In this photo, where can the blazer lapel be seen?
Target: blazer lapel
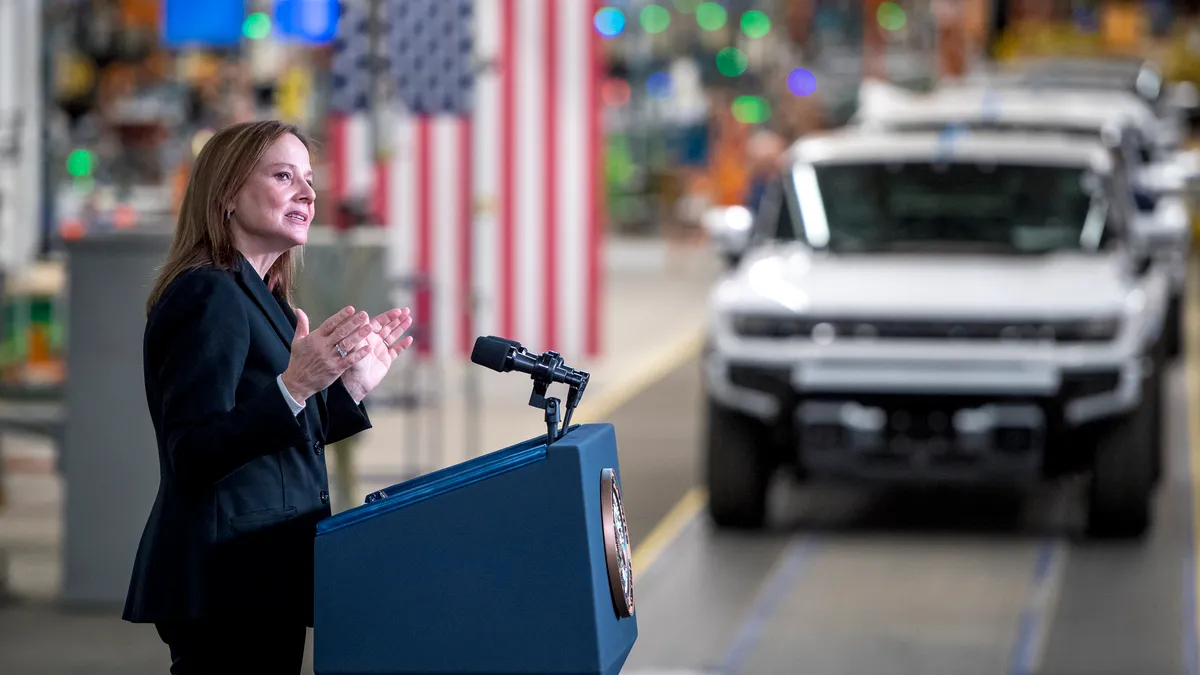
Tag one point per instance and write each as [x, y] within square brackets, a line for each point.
[283, 319]
[257, 289]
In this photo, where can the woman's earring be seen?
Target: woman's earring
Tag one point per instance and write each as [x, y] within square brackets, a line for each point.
[228, 214]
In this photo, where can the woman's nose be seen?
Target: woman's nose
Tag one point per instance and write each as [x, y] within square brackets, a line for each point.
[307, 194]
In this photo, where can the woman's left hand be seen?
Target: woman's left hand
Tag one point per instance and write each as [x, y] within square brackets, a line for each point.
[385, 342]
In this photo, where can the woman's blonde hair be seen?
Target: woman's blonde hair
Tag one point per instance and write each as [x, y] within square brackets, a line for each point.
[202, 234]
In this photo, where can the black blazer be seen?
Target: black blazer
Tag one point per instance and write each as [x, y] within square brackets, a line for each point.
[243, 481]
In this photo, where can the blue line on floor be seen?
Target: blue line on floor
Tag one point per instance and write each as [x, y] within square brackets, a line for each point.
[1190, 646]
[1025, 651]
[786, 575]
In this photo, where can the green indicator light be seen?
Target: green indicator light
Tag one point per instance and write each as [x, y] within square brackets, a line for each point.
[731, 62]
[751, 109]
[256, 26]
[710, 16]
[755, 24]
[890, 16]
[655, 19]
[79, 163]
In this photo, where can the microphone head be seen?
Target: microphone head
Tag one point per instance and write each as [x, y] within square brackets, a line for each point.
[492, 352]
[513, 343]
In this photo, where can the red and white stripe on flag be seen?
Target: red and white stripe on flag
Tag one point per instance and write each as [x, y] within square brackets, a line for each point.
[506, 201]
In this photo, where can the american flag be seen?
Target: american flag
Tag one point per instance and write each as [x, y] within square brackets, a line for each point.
[493, 182]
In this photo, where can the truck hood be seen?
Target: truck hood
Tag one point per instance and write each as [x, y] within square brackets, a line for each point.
[890, 285]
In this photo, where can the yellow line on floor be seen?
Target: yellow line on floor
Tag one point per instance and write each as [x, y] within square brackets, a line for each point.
[654, 368]
[668, 529]
[599, 409]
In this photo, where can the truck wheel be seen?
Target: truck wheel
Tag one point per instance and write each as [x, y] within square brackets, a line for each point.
[1173, 330]
[1121, 487]
[738, 469]
[1157, 421]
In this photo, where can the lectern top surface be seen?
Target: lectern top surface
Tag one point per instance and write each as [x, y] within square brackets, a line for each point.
[444, 480]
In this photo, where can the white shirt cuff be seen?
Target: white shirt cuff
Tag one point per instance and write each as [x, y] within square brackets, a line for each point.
[295, 405]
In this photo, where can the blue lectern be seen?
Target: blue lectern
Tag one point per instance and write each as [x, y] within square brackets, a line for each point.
[511, 563]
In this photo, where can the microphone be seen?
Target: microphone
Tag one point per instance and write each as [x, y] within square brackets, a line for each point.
[500, 354]
[503, 355]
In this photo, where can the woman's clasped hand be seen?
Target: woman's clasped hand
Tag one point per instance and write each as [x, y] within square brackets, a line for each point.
[349, 345]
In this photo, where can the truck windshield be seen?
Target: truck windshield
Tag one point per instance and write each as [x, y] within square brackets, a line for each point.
[951, 207]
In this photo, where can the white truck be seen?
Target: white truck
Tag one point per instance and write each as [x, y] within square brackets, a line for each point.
[1173, 104]
[1159, 176]
[907, 308]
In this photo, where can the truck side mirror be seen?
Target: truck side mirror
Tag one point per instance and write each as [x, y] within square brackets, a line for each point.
[728, 227]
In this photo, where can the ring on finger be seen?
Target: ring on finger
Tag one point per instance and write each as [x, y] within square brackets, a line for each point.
[341, 352]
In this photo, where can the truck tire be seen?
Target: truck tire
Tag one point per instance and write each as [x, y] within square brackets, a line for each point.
[1173, 330]
[1157, 416]
[738, 469]
[1121, 489]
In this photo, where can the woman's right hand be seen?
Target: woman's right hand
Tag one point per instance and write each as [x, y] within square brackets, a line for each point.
[316, 362]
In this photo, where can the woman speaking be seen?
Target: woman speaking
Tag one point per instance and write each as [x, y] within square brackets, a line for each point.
[244, 395]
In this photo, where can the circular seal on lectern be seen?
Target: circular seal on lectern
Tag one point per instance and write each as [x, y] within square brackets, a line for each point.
[617, 554]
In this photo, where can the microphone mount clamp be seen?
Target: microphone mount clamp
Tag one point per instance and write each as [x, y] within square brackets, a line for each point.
[547, 364]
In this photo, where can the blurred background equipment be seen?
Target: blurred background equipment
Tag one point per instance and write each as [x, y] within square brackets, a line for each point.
[21, 161]
[21, 110]
[109, 456]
